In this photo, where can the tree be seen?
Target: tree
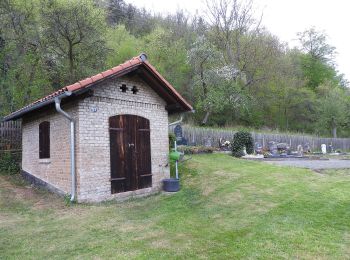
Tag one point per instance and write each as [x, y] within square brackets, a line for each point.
[233, 70]
[22, 68]
[122, 45]
[202, 57]
[138, 22]
[214, 85]
[116, 11]
[280, 95]
[234, 30]
[333, 108]
[317, 72]
[318, 60]
[75, 38]
[260, 59]
[168, 54]
[315, 43]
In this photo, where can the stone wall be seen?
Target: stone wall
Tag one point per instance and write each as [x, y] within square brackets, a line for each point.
[93, 154]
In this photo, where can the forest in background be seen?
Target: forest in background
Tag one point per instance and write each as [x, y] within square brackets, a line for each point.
[231, 68]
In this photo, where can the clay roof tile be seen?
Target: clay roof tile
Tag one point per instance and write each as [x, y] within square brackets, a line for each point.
[73, 87]
[85, 82]
[97, 77]
[107, 73]
[118, 70]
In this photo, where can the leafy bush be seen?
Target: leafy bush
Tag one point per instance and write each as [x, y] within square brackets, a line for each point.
[242, 139]
[172, 139]
[9, 162]
[238, 153]
[195, 149]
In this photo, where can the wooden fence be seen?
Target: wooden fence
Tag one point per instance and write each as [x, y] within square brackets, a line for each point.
[10, 136]
[208, 136]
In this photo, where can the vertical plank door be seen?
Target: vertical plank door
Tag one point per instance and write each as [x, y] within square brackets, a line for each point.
[130, 153]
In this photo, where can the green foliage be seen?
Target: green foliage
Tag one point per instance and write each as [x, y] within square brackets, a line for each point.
[9, 163]
[172, 139]
[242, 139]
[333, 111]
[22, 66]
[315, 44]
[67, 200]
[45, 45]
[74, 36]
[317, 72]
[232, 74]
[195, 149]
[168, 54]
[138, 22]
[122, 44]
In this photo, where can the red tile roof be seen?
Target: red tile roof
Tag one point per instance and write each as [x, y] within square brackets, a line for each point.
[118, 70]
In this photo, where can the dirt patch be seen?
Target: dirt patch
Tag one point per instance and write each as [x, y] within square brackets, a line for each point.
[26, 193]
[208, 185]
[227, 175]
[8, 220]
[231, 198]
[160, 240]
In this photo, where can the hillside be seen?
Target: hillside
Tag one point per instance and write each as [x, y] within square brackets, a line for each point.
[236, 73]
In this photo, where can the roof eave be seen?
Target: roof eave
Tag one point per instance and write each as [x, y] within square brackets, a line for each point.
[184, 105]
[181, 104]
[19, 114]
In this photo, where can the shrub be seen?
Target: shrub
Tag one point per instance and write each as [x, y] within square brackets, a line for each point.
[9, 162]
[172, 139]
[195, 149]
[242, 139]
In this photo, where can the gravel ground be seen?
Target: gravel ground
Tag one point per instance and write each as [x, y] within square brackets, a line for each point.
[314, 164]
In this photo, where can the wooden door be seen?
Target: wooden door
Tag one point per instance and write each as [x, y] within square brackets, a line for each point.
[130, 152]
[143, 153]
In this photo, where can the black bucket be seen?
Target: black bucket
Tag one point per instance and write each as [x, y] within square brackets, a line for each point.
[171, 185]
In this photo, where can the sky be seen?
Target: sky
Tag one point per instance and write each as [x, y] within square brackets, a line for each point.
[285, 18]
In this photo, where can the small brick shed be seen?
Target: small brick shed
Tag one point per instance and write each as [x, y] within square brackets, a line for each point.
[119, 147]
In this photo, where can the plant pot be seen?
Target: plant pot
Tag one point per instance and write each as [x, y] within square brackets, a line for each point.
[171, 185]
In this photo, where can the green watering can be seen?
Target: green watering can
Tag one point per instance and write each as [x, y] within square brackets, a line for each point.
[174, 155]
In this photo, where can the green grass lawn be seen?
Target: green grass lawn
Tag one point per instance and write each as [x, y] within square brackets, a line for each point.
[227, 208]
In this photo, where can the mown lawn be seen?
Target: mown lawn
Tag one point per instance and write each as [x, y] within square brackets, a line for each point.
[227, 208]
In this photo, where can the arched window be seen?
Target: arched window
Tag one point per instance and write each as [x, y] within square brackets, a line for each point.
[44, 140]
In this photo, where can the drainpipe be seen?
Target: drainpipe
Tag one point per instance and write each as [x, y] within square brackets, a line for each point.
[72, 141]
[181, 118]
[177, 122]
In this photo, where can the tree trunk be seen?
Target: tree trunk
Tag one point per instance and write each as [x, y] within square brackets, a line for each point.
[205, 93]
[204, 85]
[334, 132]
[205, 119]
[71, 62]
[286, 118]
[334, 128]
